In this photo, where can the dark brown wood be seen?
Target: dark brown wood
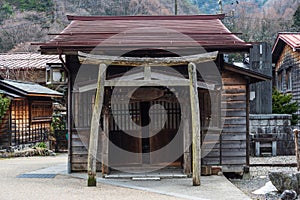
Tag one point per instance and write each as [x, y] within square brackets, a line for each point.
[247, 124]
[206, 170]
[147, 94]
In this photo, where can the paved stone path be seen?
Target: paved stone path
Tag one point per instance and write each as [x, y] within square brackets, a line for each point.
[65, 186]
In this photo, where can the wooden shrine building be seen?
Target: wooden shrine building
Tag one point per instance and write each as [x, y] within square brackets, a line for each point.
[168, 75]
[28, 119]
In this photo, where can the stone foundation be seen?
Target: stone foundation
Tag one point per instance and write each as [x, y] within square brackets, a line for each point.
[278, 125]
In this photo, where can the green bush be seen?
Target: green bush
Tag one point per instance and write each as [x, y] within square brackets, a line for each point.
[4, 105]
[41, 145]
[283, 104]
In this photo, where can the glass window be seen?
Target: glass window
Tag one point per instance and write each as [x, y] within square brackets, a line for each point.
[280, 82]
[288, 79]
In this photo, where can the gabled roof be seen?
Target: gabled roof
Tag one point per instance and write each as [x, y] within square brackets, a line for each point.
[28, 89]
[26, 60]
[285, 38]
[86, 32]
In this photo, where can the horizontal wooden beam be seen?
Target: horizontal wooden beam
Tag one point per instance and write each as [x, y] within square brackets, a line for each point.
[134, 83]
[142, 61]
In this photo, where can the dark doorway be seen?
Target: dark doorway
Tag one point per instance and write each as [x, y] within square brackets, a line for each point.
[145, 143]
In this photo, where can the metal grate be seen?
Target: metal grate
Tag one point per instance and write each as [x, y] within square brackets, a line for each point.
[36, 176]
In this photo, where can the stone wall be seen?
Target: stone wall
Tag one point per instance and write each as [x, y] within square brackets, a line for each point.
[278, 125]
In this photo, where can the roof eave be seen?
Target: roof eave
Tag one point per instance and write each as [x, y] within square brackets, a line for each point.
[44, 95]
[255, 76]
[72, 50]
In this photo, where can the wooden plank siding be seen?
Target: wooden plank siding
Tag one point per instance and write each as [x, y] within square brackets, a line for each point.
[233, 138]
[80, 151]
[288, 60]
[5, 134]
[231, 149]
[27, 121]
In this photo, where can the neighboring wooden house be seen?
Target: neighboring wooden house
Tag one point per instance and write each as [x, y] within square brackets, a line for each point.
[286, 56]
[26, 66]
[30, 113]
[153, 36]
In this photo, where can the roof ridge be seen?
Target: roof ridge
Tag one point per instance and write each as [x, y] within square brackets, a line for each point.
[147, 17]
[288, 33]
[17, 81]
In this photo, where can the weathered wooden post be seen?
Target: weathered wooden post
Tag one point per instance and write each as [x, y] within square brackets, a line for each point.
[94, 131]
[296, 140]
[186, 113]
[195, 113]
[104, 142]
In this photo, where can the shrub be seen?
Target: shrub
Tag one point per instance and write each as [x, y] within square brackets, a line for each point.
[283, 104]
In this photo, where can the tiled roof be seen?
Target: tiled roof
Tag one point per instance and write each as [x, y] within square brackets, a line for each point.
[289, 38]
[27, 60]
[86, 32]
[28, 88]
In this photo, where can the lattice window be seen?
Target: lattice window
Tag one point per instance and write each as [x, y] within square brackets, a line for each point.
[120, 116]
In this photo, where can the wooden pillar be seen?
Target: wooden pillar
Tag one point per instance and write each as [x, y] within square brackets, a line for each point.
[94, 131]
[296, 140]
[248, 124]
[187, 169]
[195, 113]
[104, 142]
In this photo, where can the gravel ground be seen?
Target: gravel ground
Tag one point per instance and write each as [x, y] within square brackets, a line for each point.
[259, 175]
[60, 187]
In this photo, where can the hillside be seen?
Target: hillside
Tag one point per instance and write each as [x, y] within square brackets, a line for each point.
[258, 20]
[212, 6]
[25, 21]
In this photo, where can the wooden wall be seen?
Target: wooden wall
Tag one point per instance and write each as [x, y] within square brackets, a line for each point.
[289, 59]
[230, 150]
[234, 134]
[5, 134]
[261, 61]
[30, 121]
[82, 110]
[26, 122]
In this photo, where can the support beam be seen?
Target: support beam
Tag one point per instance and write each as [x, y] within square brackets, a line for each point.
[187, 168]
[104, 142]
[94, 132]
[143, 61]
[147, 72]
[133, 83]
[195, 113]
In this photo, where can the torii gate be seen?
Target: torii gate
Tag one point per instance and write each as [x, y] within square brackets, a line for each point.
[103, 62]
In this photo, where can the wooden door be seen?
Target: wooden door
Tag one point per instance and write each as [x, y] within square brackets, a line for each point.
[163, 148]
[149, 141]
[125, 137]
